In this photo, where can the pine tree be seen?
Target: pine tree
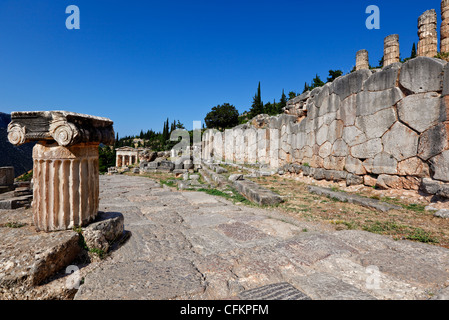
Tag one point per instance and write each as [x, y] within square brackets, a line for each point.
[317, 82]
[306, 88]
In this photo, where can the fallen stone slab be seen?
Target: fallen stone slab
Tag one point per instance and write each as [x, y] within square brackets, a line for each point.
[235, 177]
[27, 257]
[443, 213]
[352, 198]
[276, 291]
[16, 202]
[324, 286]
[255, 193]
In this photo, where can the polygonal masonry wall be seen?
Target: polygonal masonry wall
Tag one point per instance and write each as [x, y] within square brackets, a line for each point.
[66, 164]
[392, 121]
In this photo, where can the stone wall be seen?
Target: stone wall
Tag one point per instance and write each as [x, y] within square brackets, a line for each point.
[389, 125]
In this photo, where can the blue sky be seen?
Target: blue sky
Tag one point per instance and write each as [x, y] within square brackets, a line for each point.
[139, 62]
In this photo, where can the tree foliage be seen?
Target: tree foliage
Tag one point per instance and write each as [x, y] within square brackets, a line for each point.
[222, 117]
[257, 107]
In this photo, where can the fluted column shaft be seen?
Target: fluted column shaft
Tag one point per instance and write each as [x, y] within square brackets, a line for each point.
[66, 185]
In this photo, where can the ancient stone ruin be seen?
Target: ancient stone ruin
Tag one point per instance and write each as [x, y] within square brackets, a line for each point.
[362, 60]
[384, 127]
[391, 50]
[427, 33]
[66, 169]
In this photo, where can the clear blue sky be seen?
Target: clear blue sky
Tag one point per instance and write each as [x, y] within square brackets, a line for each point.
[139, 62]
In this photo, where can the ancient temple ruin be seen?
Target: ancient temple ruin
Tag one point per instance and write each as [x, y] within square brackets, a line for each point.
[126, 156]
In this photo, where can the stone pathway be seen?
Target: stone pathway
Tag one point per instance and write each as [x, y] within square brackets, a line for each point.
[190, 245]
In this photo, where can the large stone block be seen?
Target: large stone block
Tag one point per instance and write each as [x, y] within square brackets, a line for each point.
[368, 149]
[413, 167]
[401, 142]
[325, 150]
[347, 110]
[353, 136]
[382, 163]
[354, 166]
[420, 111]
[334, 163]
[321, 135]
[350, 84]
[371, 102]
[335, 131]
[329, 105]
[422, 74]
[385, 79]
[375, 125]
[6, 176]
[433, 141]
[440, 166]
[340, 148]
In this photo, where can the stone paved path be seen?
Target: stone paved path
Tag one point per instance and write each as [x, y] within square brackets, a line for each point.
[189, 245]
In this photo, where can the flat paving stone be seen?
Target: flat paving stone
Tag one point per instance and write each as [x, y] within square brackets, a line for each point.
[191, 245]
[276, 291]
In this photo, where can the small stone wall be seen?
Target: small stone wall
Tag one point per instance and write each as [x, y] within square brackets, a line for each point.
[390, 123]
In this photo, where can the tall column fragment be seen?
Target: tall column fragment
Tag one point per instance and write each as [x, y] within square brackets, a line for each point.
[427, 33]
[391, 50]
[444, 29]
[66, 164]
[362, 60]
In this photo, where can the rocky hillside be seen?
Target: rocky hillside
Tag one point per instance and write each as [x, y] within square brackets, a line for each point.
[18, 157]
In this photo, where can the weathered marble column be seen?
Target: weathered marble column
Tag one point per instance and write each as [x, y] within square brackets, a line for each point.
[66, 164]
[362, 60]
[427, 33]
[391, 50]
[444, 29]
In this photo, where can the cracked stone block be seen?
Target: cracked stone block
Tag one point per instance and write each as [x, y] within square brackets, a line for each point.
[350, 84]
[420, 111]
[433, 141]
[413, 167]
[440, 166]
[367, 149]
[375, 125]
[353, 136]
[381, 163]
[347, 110]
[354, 166]
[422, 74]
[385, 79]
[371, 102]
[401, 142]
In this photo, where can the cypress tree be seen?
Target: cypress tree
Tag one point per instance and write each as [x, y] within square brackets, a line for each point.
[282, 103]
[414, 54]
[257, 107]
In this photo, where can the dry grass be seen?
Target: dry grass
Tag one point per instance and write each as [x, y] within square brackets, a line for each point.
[412, 222]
